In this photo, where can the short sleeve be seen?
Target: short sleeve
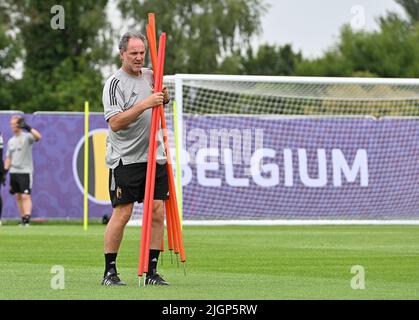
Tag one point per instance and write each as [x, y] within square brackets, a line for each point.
[112, 98]
[30, 138]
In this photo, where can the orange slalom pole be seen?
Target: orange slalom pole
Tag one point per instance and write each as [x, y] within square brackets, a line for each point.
[172, 195]
[172, 188]
[173, 202]
[176, 221]
[157, 88]
[177, 230]
[152, 24]
[154, 122]
[169, 211]
[152, 177]
[174, 232]
[174, 226]
[177, 224]
[151, 35]
[155, 119]
[169, 225]
[152, 45]
[149, 193]
[146, 208]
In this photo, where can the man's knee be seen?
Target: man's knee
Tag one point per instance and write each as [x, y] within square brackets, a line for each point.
[122, 213]
[26, 197]
[158, 211]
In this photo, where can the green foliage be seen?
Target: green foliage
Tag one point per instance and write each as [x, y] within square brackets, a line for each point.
[199, 32]
[267, 60]
[62, 67]
[64, 88]
[393, 51]
[412, 9]
[9, 53]
[271, 60]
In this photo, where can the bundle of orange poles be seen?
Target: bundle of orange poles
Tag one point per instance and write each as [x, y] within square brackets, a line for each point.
[174, 231]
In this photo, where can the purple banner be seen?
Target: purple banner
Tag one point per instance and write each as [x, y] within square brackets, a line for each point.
[243, 167]
[302, 168]
[56, 192]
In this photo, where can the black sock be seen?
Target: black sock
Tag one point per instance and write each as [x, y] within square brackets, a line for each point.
[23, 219]
[152, 261]
[27, 218]
[110, 262]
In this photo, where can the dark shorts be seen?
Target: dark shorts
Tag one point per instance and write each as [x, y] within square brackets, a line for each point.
[127, 183]
[20, 183]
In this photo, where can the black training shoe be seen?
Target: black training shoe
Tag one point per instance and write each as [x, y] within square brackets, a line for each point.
[112, 279]
[155, 279]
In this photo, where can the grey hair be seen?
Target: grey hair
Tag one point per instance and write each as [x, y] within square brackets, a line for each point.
[123, 43]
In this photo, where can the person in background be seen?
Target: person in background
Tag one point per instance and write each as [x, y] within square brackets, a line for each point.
[19, 163]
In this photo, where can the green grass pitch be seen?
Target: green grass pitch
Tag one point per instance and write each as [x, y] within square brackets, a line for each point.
[225, 262]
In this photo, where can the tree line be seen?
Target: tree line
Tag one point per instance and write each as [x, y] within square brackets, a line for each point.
[61, 68]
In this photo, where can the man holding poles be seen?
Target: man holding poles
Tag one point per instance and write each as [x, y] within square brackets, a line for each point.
[127, 99]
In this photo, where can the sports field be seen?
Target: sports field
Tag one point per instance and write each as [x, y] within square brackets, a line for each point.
[234, 262]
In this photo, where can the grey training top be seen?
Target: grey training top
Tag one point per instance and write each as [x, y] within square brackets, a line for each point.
[121, 92]
[19, 150]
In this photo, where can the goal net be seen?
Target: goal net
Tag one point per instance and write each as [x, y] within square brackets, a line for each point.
[295, 149]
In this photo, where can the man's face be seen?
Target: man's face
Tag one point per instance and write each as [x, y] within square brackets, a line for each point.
[133, 57]
[13, 125]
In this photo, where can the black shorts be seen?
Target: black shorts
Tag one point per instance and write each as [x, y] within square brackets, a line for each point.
[127, 183]
[20, 183]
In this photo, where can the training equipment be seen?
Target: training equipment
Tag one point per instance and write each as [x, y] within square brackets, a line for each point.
[291, 150]
[170, 204]
[151, 169]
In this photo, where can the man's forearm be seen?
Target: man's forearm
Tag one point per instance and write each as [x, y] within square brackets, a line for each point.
[36, 134]
[124, 119]
[7, 164]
